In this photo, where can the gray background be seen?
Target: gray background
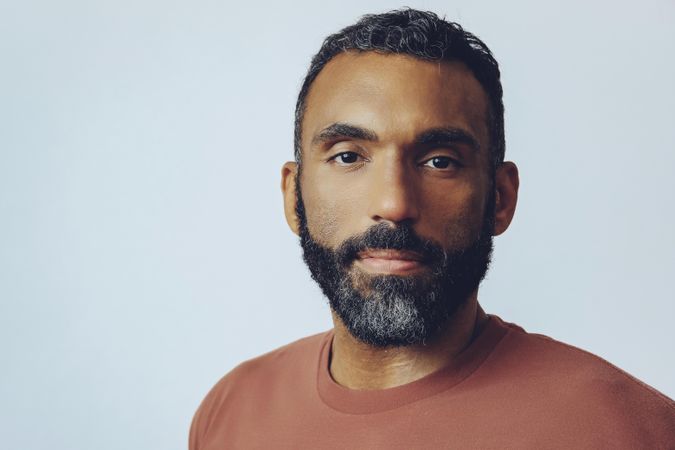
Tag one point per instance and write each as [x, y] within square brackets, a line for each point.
[143, 247]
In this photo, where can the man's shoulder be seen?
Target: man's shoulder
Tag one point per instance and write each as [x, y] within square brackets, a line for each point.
[280, 365]
[579, 382]
[260, 377]
[544, 354]
[576, 364]
[292, 357]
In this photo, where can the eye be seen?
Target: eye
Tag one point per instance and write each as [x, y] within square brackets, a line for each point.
[346, 158]
[440, 162]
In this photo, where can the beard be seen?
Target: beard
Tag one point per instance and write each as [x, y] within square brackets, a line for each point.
[394, 310]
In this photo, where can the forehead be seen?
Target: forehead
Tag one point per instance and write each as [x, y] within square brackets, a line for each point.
[396, 95]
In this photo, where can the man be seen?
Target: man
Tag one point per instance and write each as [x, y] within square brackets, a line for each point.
[398, 187]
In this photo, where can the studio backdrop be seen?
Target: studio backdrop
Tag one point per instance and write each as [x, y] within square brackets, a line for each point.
[143, 248]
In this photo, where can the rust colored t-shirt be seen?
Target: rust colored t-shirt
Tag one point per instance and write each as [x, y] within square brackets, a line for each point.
[508, 390]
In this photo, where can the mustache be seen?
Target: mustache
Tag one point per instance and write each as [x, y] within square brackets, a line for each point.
[386, 237]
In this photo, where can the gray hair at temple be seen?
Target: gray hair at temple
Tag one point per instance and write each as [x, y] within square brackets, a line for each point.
[423, 35]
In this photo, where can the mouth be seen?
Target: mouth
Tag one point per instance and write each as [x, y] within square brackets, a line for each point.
[390, 262]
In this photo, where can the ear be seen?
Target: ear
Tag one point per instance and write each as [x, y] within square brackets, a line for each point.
[506, 185]
[288, 179]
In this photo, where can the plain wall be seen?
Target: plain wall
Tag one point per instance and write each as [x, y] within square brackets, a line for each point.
[143, 249]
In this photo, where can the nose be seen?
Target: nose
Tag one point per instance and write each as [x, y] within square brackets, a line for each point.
[392, 193]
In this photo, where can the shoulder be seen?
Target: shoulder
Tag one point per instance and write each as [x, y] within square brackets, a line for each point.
[288, 359]
[582, 366]
[582, 387]
[301, 352]
[260, 375]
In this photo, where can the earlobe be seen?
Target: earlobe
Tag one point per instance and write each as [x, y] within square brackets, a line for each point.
[288, 189]
[507, 182]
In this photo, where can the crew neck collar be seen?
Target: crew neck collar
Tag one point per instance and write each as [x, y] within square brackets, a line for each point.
[353, 401]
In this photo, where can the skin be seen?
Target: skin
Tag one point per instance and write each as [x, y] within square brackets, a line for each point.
[391, 164]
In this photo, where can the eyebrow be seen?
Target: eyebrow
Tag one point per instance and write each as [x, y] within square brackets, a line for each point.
[341, 130]
[447, 136]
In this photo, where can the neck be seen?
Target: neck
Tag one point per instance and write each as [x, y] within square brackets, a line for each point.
[357, 365]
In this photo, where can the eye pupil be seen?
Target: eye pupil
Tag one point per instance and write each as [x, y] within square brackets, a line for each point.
[440, 163]
[348, 157]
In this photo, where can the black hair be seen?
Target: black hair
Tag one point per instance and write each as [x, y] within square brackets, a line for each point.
[421, 34]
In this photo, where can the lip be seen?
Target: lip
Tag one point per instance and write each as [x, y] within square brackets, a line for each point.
[394, 262]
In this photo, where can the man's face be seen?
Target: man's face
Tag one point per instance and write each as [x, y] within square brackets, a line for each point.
[395, 198]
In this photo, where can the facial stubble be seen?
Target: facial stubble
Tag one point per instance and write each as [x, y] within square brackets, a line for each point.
[394, 310]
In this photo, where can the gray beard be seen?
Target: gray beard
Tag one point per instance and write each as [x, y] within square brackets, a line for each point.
[391, 312]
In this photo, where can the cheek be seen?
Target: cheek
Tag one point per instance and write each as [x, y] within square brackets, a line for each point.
[454, 220]
[328, 210]
[322, 223]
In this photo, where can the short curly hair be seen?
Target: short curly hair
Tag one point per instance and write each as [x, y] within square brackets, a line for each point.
[423, 35]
